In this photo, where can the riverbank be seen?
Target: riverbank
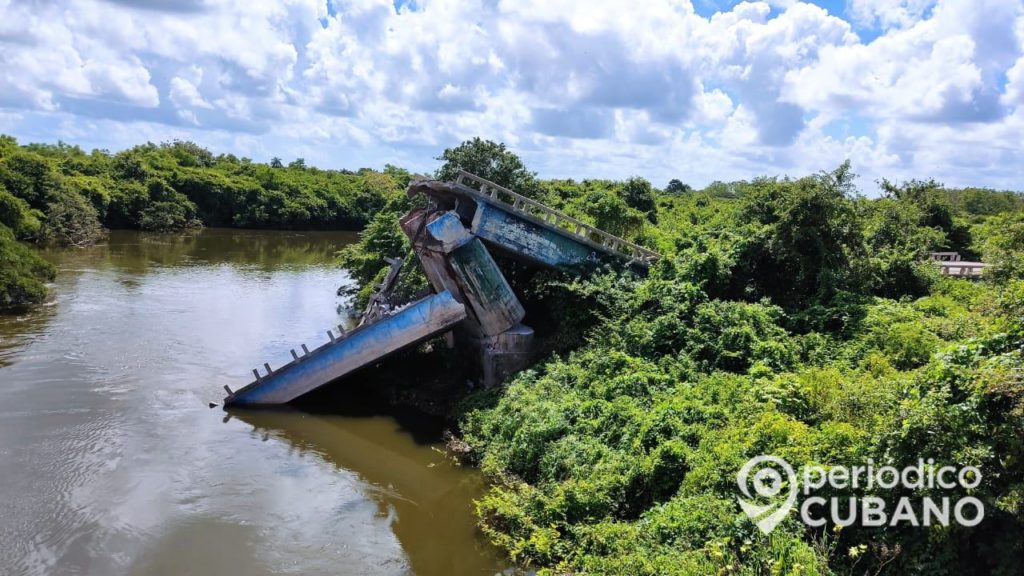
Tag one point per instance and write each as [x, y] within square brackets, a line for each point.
[113, 463]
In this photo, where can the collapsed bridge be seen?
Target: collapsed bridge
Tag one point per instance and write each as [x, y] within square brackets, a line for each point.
[472, 300]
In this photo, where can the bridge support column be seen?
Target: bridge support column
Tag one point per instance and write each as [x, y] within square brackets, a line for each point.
[487, 292]
[457, 261]
[502, 355]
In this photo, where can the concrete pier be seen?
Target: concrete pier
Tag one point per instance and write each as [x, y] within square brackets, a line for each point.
[502, 355]
[487, 292]
[456, 260]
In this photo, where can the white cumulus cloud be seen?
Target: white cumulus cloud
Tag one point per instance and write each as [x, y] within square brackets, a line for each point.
[651, 87]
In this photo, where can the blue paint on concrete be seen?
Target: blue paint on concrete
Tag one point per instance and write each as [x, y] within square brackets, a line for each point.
[449, 231]
[538, 244]
[363, 346]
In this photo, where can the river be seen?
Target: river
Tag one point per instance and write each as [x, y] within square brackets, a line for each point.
[111, 461]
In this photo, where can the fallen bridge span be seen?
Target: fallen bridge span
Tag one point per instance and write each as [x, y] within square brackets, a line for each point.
[451, 239]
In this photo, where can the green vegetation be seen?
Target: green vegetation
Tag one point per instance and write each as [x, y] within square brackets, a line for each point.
[488, 160]
[176, 185]
[60, 195]
[791, 317]
[23, 274]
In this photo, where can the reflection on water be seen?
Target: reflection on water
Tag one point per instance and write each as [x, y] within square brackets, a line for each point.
[111, 463]
[428, 500]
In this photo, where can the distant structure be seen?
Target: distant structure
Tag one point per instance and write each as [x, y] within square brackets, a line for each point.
[472, 302]
[950, 264]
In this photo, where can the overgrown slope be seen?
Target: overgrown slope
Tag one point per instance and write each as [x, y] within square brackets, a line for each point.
[791, 317]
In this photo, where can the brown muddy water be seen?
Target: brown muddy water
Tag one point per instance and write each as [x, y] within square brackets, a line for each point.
[112, 463]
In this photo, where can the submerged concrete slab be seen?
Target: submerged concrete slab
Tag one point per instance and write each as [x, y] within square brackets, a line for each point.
[361, 347]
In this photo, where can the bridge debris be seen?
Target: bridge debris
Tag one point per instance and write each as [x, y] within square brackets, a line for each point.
[473, 303]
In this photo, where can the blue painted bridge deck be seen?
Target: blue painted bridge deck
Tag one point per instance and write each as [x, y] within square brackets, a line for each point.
[536, 232]
[361, 347]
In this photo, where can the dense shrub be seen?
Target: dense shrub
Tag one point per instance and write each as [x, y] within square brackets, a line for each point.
[790, 317]
[23, 274]
[1002, 245]
[638, 194]
[70, 221]
[16, 215]
[641, 437]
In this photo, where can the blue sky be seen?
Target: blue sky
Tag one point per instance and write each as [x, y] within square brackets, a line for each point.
[700, 91]
[867, 30]
[707, 8]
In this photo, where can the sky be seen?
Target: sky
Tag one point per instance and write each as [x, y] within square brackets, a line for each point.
[697, 90]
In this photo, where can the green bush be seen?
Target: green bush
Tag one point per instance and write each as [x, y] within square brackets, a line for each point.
[70, 221]
[23, 274]
[1002, 245]
[16, 215]
[797, 319]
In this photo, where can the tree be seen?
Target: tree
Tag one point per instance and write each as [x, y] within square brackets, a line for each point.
[71, 221]
[167, 209]
[23, 274]
[898, 246]
[189, 153]
[804, 242]
[7, 143]
[677, 187]
[719, 189]
[637, 194]
[16, 214]
[29, 176]
[611, 213]
[399, 175]
[489, 160]
[1002, 244]
[275, 162]
[984, 201]
[935, 207]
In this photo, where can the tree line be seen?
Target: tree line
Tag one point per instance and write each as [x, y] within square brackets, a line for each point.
[60, 195]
